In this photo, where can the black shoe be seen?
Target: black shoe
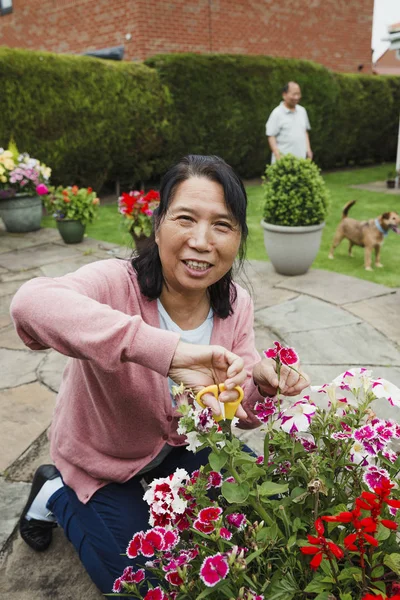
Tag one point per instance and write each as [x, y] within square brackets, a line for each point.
[38, 534]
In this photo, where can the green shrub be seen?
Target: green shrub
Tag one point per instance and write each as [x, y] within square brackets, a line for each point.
[88, 119]
[295, 193]
[222, 103]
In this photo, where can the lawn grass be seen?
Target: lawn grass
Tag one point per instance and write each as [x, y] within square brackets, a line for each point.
[369, 205]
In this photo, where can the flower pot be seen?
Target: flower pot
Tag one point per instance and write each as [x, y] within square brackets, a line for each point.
[21, 213]
[71, 231]
[141, 241]
[390, 183]
[292, 250]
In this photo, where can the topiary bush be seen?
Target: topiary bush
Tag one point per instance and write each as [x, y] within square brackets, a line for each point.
[295, 193]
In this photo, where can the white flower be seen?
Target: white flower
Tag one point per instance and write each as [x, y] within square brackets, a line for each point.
[358, 453]
[297, 417]
[193, 441]
[384, 389]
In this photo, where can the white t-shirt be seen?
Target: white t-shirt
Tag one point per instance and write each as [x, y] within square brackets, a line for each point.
[289, 127]
[200, 335]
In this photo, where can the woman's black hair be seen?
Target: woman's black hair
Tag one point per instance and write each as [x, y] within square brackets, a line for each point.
[147, 263]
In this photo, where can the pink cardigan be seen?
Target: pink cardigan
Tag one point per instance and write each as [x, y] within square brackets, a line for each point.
[113, 412]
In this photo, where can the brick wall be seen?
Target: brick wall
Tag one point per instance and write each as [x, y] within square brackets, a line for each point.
[335, 33]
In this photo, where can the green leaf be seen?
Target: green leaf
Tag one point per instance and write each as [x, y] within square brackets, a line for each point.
[350, 573]
[324, 596]
[318, 585]
[217, 461]
[383, 533]
[393, 562]
[254, 555]
[269, 488]
[346, 597]
[377, 572]
[268, 533]
[235, 492]
[283, 589]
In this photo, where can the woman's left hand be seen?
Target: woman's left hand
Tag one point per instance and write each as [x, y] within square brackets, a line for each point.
[290, 383]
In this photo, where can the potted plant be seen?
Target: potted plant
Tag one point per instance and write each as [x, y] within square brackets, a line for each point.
[137, 209]
[23, 180]
[73, 208]
[391, 179]
[296, 205]
[314, 516]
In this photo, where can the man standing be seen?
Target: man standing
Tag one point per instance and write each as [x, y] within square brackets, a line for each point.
[288, 125]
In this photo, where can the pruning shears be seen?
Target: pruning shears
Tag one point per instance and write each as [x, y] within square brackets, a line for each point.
[228, 409]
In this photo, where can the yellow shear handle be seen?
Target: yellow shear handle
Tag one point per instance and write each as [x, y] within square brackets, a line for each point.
[229, 407]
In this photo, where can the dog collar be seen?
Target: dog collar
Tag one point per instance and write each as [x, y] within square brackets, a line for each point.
[380, 228]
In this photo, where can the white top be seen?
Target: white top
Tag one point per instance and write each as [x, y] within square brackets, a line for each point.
[200, 335]
[289, 128]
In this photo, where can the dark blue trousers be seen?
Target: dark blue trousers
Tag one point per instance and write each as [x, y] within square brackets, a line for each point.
[101, 529]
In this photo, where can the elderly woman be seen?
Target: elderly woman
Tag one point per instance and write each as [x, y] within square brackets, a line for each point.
[130, 328]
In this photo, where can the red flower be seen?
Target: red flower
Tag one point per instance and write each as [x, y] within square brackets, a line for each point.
[203, 527]
[321, 547]
[288, 356]
[174, 578]
[211, 513]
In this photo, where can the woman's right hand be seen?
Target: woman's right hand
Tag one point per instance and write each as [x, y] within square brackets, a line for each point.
[198, 366]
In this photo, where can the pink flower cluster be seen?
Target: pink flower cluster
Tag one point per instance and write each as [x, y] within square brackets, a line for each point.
[265, 409]
[286, 356]
[23, 175]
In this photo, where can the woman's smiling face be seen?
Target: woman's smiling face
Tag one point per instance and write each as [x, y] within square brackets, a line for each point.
[198, 239]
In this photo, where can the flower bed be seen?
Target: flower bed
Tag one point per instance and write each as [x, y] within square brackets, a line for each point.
[315, 517]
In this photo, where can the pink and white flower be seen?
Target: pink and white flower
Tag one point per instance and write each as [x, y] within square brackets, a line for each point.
[265, 409]
[297, 417]
[373, 476]
[164, 499]
[225, 533]
[214, 569]
[288, 356]
[384, 389]
[237, 520]
[156, 594]
[214, 480]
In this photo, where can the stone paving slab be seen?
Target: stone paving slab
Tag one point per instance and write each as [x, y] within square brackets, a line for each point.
[326, 373]
[12, 500]
[38, 453]
[25, 412]
[383, 313]
[5, 318]
[18, 241]
[21, 367]
[51, 369]
[21, 276]
[54, 574]
[303, 314]
[333, 287]
[58, 269]
[36, 256]
[9, 339]
[10, 287]
[358, 344]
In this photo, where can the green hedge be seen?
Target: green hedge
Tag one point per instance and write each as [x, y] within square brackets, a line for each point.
[222, 103]
[93, 120]
[88, 119]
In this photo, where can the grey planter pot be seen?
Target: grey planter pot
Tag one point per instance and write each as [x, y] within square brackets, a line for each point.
[292, 250]
[21, 213]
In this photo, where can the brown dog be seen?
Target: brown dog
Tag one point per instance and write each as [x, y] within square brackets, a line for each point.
[368, 234]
